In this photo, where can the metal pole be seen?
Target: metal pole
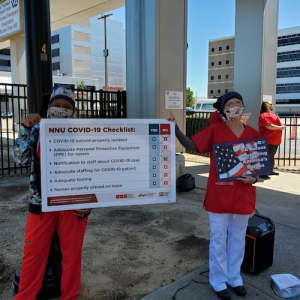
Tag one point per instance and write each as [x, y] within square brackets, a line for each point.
[38, 54]
[106, 79]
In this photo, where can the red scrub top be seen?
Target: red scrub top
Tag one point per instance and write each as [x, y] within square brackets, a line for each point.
[235, 198]
[215, 117]
[273, 136]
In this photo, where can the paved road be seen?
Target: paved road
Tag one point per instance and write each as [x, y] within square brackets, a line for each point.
[279, 199]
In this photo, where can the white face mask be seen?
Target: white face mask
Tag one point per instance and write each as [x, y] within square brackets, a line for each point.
[233, 112]
[60, 113]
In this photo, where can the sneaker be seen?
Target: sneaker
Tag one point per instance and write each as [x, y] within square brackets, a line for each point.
[274, 173]
[224, 294]
[240, 290]
[264, 177]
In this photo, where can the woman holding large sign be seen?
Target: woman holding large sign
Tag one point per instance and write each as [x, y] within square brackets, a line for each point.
[229, 203]
[41, 226]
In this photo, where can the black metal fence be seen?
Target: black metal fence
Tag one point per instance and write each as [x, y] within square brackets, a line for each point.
[195, 123]
[13, 100]
[100, 104]
[288, 153]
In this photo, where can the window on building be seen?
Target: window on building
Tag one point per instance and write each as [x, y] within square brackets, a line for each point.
[212, 63]
[288, 56]
[55, 52]
[211, 77]
[5, 62]
[227, 47]
[220, 63]
[81, 50]
[55, 39]
[211, 91]
[82, 36]
[288, 72]
[5, 51]
[212, 49]
[226, 90]
[219, 91]
[84, 23]
[220, 48]
[289, 40]
[288, 88]
[219, 77]
[227, 61]
[82, 76]
[82, 64]
[56, 66]
[226, 76]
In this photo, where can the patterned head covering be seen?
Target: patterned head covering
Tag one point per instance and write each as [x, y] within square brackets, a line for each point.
[62, 93]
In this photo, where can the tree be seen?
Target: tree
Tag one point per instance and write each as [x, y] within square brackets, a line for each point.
[82, 97]
[81, 86]
[190, 99]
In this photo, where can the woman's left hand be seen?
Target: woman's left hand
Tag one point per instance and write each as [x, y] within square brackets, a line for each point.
[82, 212]
[171, 117]
[247, 179]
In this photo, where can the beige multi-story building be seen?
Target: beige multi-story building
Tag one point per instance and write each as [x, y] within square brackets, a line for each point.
[220, 66]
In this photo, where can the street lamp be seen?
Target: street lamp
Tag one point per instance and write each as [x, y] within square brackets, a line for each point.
[105, 50]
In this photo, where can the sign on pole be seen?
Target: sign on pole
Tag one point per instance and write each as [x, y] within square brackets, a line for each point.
[11, 19]
[97, 163]
[173, 100]
[105, 52]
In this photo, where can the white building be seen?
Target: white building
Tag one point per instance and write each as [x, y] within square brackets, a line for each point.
[77, 55]
[77, 52]
[5, 60]
[288, 70]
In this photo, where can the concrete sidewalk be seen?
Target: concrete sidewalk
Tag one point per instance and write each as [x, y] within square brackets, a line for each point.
[277, 198]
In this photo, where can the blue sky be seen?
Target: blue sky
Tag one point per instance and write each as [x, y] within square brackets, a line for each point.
[213, 19]
[209, 19]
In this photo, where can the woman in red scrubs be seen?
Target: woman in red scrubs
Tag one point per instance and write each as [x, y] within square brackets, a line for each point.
[270, 126]
[228, 203]
[216, 116]
[41, 226]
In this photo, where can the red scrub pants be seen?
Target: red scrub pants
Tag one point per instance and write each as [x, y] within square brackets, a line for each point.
[38, 236]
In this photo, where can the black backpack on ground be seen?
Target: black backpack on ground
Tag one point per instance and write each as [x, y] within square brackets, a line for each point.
[186, 182]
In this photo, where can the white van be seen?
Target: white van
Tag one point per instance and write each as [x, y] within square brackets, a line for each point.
[205, 105]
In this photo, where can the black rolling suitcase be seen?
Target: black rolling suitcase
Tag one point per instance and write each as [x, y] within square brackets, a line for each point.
[259, 247]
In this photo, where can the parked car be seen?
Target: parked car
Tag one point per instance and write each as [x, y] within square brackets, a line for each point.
[205, 105]
[6, 114]
[189, 111]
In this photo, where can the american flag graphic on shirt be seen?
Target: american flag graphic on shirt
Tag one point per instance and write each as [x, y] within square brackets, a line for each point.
[227, 162]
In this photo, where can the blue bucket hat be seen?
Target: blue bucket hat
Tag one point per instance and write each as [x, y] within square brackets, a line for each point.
[62, 93]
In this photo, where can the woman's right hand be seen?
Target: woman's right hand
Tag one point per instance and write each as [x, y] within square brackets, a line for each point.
[32, 119]
[171, 118]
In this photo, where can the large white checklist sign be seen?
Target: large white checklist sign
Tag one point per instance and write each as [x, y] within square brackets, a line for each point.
[88, 163]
